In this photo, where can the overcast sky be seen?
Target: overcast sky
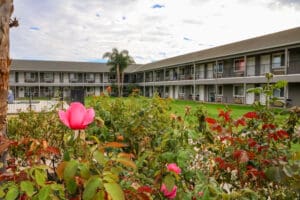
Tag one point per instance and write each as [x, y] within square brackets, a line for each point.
[83, 30]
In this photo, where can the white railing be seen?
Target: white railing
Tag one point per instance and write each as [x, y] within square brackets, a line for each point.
[34, 105]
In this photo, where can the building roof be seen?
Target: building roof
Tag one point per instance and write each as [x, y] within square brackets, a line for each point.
[274, 40]
[265, 42]
[64, 66]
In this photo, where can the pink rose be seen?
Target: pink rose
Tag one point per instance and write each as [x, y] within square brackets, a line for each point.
[174, 168]
[168, 194]
[77, 117]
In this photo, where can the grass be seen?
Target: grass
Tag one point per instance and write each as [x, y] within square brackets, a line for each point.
[178, 107]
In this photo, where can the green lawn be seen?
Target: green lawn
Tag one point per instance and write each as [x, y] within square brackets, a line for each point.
[178, 107]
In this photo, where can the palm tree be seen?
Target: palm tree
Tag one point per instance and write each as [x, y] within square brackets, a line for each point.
[119, 62]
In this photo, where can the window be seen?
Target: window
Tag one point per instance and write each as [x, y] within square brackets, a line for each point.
[29, 76]
[279, 93]
[238, 90]
[167, 73]
[48, 77]
[218, 68]
[277, 60]
[220, 90]
[239, 65]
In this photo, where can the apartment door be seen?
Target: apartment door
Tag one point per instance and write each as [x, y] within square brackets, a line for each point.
[250, 96]
[201, 92]
[211, 93]
[251, 66]
[77, 95]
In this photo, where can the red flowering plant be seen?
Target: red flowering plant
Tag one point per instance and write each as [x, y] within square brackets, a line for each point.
[252, 152]
[249, 150]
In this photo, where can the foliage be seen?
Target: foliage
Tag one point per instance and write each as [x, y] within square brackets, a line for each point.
[137, 148]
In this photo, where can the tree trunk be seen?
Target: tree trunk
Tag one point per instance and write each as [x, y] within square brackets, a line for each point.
[6, 9]
[118, 80]
[122, 82]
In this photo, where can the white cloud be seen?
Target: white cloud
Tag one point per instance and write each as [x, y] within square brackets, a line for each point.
[84, 30]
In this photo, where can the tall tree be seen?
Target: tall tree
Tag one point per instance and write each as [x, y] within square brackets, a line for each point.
[6, 10]
[118, 61]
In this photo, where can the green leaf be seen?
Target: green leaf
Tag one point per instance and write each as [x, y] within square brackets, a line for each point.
[100, 195]
[44, 193]
[12, 193]
[115, 191]
[70, 170]
[71, 186]
[91, 188]
[84, 171]
[256, 90]
[40, 177]
[100, 158]
[280, 84]
[27, 187]
[169, 181]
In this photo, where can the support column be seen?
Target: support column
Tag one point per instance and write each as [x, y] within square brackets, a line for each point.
[144, 88]
[39, 81]
[194, 82]
[286, 63]
[103, 82]
[244, 100]
[245, 70]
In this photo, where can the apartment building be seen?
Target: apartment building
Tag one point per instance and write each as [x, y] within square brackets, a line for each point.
[219, 74]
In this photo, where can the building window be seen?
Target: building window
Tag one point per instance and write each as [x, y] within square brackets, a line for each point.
[239, 65]
[30, 76]
[238, 90]
[48, 77]
[278, 93]
[90, 77]
[220, 90]
[218, 68]
[277, 60]
[73, 77]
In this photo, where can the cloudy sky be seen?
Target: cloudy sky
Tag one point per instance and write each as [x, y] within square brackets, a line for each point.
[83, 30]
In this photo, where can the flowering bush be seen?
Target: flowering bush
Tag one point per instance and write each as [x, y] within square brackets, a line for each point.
[134, 148]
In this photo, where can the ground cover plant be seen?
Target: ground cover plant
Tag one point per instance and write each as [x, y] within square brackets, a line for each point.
[139, 148]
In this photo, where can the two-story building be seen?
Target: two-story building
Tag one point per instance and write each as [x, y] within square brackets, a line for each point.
[219, 74]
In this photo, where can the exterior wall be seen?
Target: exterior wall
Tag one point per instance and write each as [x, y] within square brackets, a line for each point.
[294, 93]
[21, 77]
[21, 92]
[56, 77]
[176, 92]
[66, 78]
[227, 94]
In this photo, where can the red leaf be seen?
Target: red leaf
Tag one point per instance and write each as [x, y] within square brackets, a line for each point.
[210, 120]
[251, 115]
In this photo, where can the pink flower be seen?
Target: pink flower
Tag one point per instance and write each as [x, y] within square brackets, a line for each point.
[174, 168]
[77, 117]
[168, 194]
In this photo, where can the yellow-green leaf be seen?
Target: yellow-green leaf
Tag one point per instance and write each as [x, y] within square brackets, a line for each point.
[115, 191]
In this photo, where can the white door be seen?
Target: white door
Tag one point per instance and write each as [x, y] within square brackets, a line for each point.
[264, 64]
[251, 66]
[201, 92]
[250, 96]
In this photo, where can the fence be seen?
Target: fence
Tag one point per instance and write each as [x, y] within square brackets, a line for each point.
[34, 105]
